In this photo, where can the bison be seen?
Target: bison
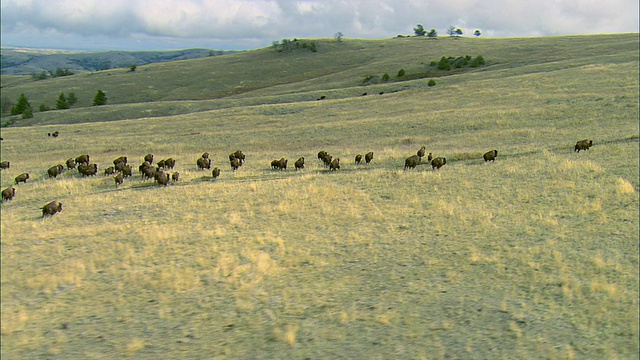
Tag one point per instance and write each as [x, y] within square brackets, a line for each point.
[5, 165]
[121, 159]
[71, 163]
[88, 169]
[126, 171]
[299, 164]
[429, 158]
[8, 194]
[368, 157]
[162, 178]
[175, 176]
[411, 162]
[22, 178]
[203, 163]
[235, 163]
[205, 155]
[583, 145]
[169, 163]
[110, 170]
[51, 208]
[326, 159]
[55, 133]
[143, 166]
[54, 171]
[335, 164]
[358, 159]
[275, 164]
[238, 155]
[421, 152]
[149, 172]
[321, 154]
[438, 162]
[149, 158]
[161, 164]
[215, 172]
[82, 159]
[119, 178]
[490, 155]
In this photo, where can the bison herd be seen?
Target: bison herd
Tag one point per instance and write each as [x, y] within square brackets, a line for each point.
[121, 169]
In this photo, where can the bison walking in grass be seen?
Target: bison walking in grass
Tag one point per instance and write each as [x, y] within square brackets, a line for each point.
[175, 176]
[71, 163]
[203, 163]
[421, 152]
[119, 179]
[215, 172]
[149, 158]
[299, 164]
[88, 169]
[490, 155]
[109, 171]
[438, 162]
[82, 159]
[583, 145]
[368, 157]
[54, 171]
[8, 194]
[51, 208]
[334, 165]
[235, 163]
[411, 162]
[21, 178]
[358, 159]
[5, 165]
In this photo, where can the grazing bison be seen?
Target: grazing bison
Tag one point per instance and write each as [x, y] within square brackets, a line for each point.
[175, 176]
[321, 154]
[203, 163]
[110, 170]
[126, 171]
[8, 194]
[169, 163]
[51, 208]
[283, 164]
[21, 178]
[275, 164]
[149, 158]
[82, 159]
[326, 159]
[121, 159]
[71, 163]
[358, 159]
[149, 172]
[161, 164]
[143, 166]
[438, 162]
[119, 178]
[88, 169]
[411, 162]
[238, 155]
[368, 157]
[421, 152]
[162, 178]
[120, 166]
[5, 165]
[583, 145]
[299, 164]
[490, 155]
[235, 163]
[335, 164]
[215, 172]
[54, 171]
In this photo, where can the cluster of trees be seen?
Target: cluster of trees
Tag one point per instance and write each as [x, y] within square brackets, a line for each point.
[452, 31]
[23, 106]
[446, 63]
[57, 73]
[287, 45]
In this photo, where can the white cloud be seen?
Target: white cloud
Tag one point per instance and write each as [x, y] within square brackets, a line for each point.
[250, 22]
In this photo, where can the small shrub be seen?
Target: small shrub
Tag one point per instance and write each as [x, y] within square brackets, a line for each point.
[478, 61]
[44, 108]
[444, 64]
[433, 63]
[385, 77]
[431, 82]
[401, 73]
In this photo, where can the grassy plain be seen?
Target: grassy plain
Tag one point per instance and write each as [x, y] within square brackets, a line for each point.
[533, 256]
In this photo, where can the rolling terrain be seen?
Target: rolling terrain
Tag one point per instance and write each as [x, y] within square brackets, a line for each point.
[534, 255]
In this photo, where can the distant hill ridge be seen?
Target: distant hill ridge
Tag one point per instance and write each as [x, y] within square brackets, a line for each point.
[14, 61]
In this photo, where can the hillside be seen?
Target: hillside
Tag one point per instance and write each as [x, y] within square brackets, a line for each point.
[34, 61]
[531, 256]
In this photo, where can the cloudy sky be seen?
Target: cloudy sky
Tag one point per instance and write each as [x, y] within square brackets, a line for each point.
[250, 24]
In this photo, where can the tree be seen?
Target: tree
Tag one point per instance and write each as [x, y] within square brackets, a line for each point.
[458, 32]
[62, 103]
[419, 30]
[72, 99]
[432, 34]
[338, 36]
[401, 73]
[451, 30]
[21, 106]
[132, 68]
[477, 33]
[385, 77]
[44, 108]
[100, 98]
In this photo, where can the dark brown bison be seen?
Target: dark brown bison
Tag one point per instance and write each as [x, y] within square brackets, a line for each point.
[326, 159]
[149, 158]
[490, 155]
[162, 178]
[299, 164]
[51, 208]
[238, 155]
[175, 176]
[21, 178]
[55, 134]
[421, 152]
[368, 157]
[119, 178]
[54, 171]
[203, 163]
[8, 194]
[5, 165]
[149, 172]
[215, 172]
[126, 171]
[88, 169]
[235, 163]
[110, 170]
[583, 145]
[82, 159]
[358, 159]
[335, 164]
[205, 155]
[120, 166]
[161, 164]
[283, 164]
[429, 158]
[121, 159]
[275, 164]
[143, 166]
[438, 162]
[169, 163]
[321, 154]
[71, 163]
[411, 162]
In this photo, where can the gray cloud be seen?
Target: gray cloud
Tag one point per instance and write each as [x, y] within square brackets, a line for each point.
[241, 24]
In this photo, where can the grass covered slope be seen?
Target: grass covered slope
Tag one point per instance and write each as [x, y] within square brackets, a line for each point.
[533, 256]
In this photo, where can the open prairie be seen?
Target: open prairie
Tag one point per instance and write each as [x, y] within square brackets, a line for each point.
[534, 255]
